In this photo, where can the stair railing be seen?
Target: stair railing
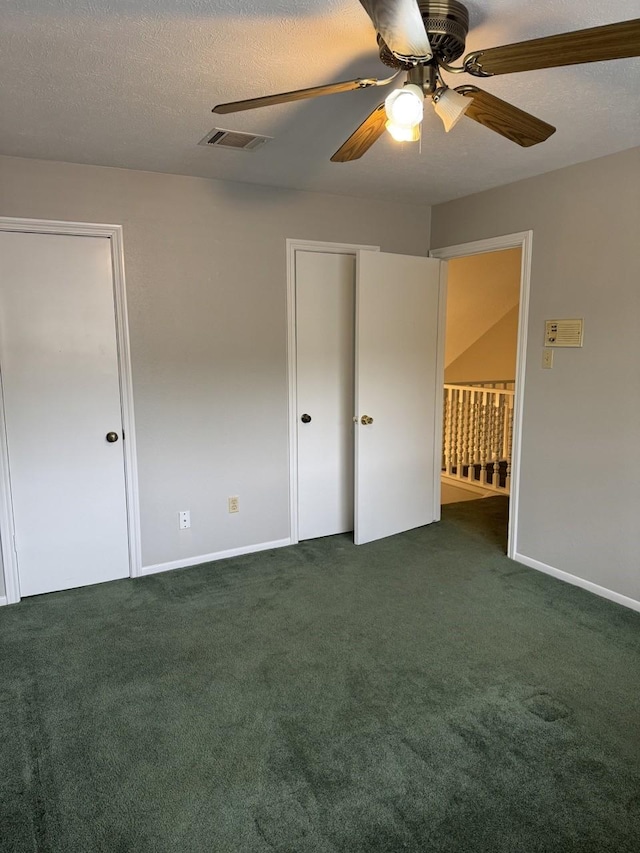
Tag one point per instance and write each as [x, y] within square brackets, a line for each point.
[478, 434]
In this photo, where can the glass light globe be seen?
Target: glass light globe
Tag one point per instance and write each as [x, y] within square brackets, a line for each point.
[405, 107]
[403, 134]
[450, 106]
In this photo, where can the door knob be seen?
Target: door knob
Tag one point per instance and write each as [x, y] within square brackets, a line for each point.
[305, 419]
[111, 437]
[365, 420]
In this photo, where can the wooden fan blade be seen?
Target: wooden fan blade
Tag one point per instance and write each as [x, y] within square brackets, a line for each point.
[505, 119]
[400, 24]
[298, 95]
[363, 138]
[598, 44]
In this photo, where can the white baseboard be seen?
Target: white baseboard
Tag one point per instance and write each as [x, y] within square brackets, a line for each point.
[209, 558]
[470, 486]
[3, 600]
[602, 591]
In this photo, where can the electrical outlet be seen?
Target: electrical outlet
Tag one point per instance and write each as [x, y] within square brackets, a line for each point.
[547, 359]
[234, 504]
[184, 519]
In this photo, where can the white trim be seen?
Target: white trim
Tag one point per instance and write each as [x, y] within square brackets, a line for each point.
[126, 402]
[9, 558]
[602, 591]
[51, 226]
[3, 600]
[114, 233]
[210, 558]
[293, 246]
[439, 405]
[480, 247]
[524, 241]
[469, 486]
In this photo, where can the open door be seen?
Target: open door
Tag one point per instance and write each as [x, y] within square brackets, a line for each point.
[396, 393]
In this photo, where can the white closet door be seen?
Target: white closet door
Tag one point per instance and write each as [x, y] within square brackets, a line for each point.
[396, 386]
[325, 297]
[60, 383]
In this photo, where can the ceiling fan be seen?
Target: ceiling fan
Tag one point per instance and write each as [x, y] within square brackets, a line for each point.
[424, 37]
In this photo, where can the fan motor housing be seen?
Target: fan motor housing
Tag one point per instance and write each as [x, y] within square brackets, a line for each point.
[447, 25]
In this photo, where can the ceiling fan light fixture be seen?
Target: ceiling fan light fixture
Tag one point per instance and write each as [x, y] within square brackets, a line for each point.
[450, 106]
[405, 107]
[403, 134]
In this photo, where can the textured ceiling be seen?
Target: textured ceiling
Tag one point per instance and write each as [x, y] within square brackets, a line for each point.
[131, 83]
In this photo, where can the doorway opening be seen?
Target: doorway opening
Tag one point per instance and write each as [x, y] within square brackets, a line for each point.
[485, 339]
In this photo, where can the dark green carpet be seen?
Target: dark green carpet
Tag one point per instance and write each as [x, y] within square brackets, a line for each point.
[421, 694]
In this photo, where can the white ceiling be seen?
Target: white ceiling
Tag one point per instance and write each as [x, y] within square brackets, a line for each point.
[131, 83]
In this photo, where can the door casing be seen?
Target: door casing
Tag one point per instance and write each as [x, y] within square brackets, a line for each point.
[114, 234]
[521, 240]
[294, 246]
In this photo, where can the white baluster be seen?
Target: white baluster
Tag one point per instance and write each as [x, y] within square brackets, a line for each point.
[494, 403]
[454, 428]
[500, 435]
[449, 433]
[509, 444]
[477, 412]
[466, 427]
[483, 439]
[459, 432]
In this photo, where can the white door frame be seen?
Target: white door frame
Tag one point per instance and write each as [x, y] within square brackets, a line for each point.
[294, 246]
[114, 234]
[521, 240]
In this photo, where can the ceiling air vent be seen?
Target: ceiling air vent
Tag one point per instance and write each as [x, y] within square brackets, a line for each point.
[233, 139]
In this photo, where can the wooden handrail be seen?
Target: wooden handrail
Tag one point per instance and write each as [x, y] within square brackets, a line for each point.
[488, 383]
[455, 385]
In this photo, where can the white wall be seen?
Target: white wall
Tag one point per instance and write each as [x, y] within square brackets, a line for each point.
[580, 453]
[206, 282]
[492, 356]
[481, 289]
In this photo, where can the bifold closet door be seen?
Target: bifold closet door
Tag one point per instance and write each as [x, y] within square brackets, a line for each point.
[60, 383]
